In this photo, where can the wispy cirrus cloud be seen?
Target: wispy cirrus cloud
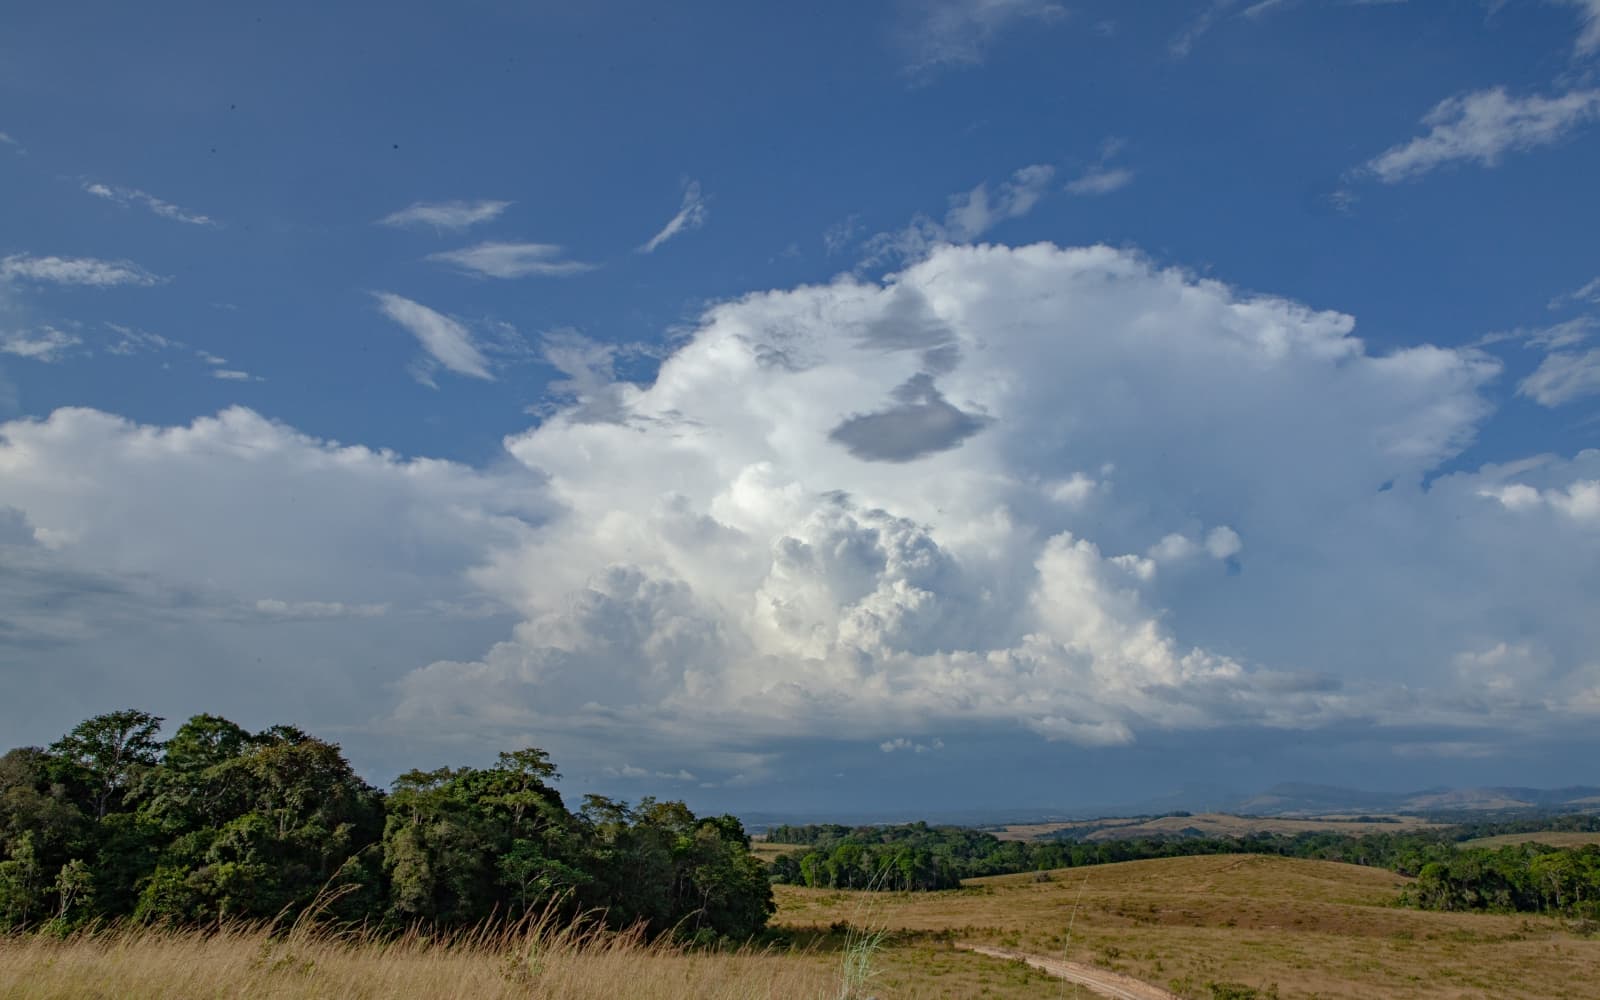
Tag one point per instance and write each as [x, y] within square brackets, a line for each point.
[446, 341]
[938, 35]
[691, 216]
[970, 215]
[235, 375]
[1588, 41]
[512, 260]
[90, 271]
[1482, 127]
[1588, 292]
[133, 196]
[47, 345]
[452, 216]
[1183, 43]
[1102, 177]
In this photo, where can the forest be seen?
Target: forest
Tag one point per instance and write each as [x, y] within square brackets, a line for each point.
[221, 824]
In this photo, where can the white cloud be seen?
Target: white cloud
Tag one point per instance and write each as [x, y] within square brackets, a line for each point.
[233, 565]
[235, 375]
[133, 196]
[630, 771]
[446, 341]
[1563, 376]
[1183, 43]
[47, 345]
[703, 568]
[76, 271]
[319, 609]
[6, 140]
[901, 743]
[452, 216]
[724, 564]
[936, 35]
[512, 260]
[1482, 127]
[691, 215]
[970, 215]
[1588, 41]
[1101, 180]
[1589, 292]
[838, 237]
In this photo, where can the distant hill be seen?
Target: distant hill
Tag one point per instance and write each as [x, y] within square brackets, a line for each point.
[1290, 800]
[1295, 799]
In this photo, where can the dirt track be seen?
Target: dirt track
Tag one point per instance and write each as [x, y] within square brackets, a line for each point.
[1107, 984]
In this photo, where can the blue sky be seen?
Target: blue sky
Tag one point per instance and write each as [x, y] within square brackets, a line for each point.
[735, 399]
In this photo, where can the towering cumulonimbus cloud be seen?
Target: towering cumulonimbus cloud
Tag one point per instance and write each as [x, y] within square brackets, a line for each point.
[1039, 493]
[1027, 487]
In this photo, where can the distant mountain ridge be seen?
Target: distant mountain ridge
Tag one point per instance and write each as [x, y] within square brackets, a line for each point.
[1287, 800]
[1299, 799]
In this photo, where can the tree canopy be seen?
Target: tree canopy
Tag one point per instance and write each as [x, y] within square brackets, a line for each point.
[219, 823]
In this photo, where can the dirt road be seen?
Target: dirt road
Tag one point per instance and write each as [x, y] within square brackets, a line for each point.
[1107, 984]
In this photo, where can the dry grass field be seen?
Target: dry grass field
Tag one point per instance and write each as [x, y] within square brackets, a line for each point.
[1554, 838]
[1286, 928]
[766, 851]
[1214, 825]
[1308, 928]
[248, 963]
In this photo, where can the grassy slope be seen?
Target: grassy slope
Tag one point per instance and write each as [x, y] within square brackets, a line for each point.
[1555, 838]
[1212, 824]
[1316, 929]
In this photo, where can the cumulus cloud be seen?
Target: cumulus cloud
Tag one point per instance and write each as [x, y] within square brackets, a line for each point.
[446, 341]
[1484, 126]
[233, 565]
[47, 345]
[1185, 510]
[725, 562]
[445, 216]
[938, 35]
[75, 271]
[512, 260]
[133, 196]
[691, 215]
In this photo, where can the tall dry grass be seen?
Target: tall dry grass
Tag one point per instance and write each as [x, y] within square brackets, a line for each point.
[542, 959]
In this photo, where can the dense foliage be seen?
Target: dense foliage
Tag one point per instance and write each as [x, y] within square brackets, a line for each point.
[218, 823]
[915, 856]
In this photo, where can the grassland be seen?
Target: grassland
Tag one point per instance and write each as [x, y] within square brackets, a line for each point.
[1214, 825]
[1309, 929]
[1554, 838]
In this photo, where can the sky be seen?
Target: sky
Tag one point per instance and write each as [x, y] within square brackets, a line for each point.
[819, 408]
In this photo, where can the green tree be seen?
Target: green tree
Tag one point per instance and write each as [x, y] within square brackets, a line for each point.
[109, 751]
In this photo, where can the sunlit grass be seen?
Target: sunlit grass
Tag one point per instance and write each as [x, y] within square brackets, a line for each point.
[545, 959]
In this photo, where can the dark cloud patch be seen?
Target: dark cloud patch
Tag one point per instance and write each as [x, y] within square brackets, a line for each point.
[921, 423]
[907, 323]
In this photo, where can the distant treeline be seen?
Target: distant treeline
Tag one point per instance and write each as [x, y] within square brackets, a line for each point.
[919, 857]
[219, 823]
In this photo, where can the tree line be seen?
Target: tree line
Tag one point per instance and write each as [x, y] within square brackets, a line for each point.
[917, 857]
[218, 823]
